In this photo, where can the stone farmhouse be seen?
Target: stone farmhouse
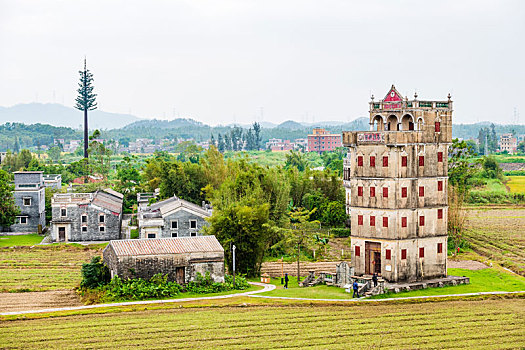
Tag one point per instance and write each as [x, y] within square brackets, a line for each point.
[80, 217]
[30, 197]
[179, 258]
[396, 188]
[172, 217]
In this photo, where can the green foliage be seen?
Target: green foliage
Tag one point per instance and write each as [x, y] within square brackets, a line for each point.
[340, 232]
[333, 213]
[8, 209]
[86, 99]
[296, 160]
[461, 169]
[94, 274]
[491, 169]
[134, 234]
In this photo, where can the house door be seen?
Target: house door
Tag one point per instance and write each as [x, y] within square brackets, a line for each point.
[180, 275]
[61, 234]
[372, 257]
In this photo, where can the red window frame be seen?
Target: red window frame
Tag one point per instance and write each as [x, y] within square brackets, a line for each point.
[440, 248]
[372, 161]
[385, 221]
[404, 192]
[421, 252]
[357, 250]
[440, 185]
[421, 160]
[372, 191]
[385, 161]
[437, 127]
[360, 220]
[404, 161]
[359, 160]
[403, 254]
[360, 191]
[372, 220]
[385, 192]
[404, 221]
[388, 254]
[422, 220]
[421, 191]
[440, 157]
[440, 213]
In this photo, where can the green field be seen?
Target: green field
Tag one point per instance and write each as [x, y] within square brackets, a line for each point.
[20, 240]
[516, 184]
[487, 324]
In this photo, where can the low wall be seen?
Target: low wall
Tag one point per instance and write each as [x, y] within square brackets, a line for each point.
[274, 268]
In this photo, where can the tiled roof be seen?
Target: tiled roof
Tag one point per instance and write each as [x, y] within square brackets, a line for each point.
[108, 201]
[184, 204]
[159, 246]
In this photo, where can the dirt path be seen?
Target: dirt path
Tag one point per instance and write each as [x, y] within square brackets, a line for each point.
[466, 264]
[38, 300]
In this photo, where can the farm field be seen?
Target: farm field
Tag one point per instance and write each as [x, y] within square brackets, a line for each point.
[516, 184]
[498, 234]
[496, 324]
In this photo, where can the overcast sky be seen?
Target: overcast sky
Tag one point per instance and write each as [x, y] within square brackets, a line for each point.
[224, 61]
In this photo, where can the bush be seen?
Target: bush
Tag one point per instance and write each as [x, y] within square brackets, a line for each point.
[495, 197]
[340, 232]
[94, 274]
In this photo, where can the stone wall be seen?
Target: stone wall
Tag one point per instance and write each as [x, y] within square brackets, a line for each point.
[183, 218]
[35, 212]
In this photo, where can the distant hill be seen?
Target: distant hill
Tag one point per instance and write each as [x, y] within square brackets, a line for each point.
[60, 115]
[290, 124]
[164, 124]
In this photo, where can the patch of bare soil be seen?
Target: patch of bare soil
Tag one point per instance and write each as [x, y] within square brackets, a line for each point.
[38, 300]
[466, 264]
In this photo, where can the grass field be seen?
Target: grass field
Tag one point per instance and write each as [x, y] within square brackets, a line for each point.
[489, 324]
[43, 267]
[20, 240]
[499, 235]
[516, 184]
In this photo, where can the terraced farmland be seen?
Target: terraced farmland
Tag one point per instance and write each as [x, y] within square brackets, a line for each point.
[43, 267]
[499, 234]
[489, 324]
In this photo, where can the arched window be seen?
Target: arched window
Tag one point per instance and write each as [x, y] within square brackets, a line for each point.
[378, 123]
[392, 123]
[420, 124]
[407, 122]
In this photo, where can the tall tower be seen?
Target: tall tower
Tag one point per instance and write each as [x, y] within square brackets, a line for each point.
[396, 188]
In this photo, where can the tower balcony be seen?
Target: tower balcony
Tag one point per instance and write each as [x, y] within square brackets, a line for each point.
[393, 138]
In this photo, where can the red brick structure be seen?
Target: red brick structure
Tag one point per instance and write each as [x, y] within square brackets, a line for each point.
[322, 141]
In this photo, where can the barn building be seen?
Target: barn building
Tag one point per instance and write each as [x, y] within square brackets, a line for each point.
[396, 180]
[180, 258]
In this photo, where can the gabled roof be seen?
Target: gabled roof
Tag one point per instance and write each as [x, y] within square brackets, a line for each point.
[182, 204]
[160, 246]
[397, 95]
[114, 193]
[108, 201]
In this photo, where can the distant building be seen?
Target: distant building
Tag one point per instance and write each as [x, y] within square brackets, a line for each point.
[507, 142]
[2, 156]
[89, 179]
[53, 181]
[72, 146]
[179, 258]
[286, 145]
[30, 197]
[301, 143]
[86, 216]
[172, 217]
[322, 141]
[273, 142]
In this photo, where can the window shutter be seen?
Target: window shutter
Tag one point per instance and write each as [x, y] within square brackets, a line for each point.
[404, 221]
[385, 221]
[404, 161]
[360, 220]
[440, 185]
[360, 161]
[372, 191]
[421, 191]
[440, 157]
[421, 160]
[403, 254]
[357, 250]
[372, 220]
[372, 161]
[388, 254]
[385, 192]
[385, 161]
[438, 127]
[360, 191]
[421, 221]
[440, 248]
[440, 213]
[421, 252]
[404, 192]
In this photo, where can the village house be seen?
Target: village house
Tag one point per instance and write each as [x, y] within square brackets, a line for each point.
[179, 258]
[80, 217]
[396, 187]
[172, 217]
[321, 141]
[53, 181]
[30, 197]
[509, 143]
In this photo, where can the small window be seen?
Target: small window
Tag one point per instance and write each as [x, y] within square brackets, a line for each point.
[193, 234]
[27, 201]
[151, 235]
[421, 191]
[385, 161]
[404, 221]
[440, 157]
[359, 160]
[372, 161]
[175, 225]
[174, 234]
[404, 192]
[422, 221]
[440, 248]
[360, 220]
[372, 191]
[360, 191]
[357, 250]
[102, 228]
[84, 228]
[63, 212]
[440, 213]
[84, 219]
[421, 160]
[385, 221]
[101, 218]
[438, 127]
[440, 185]
[388, 254]
[404, 161]
[372, 220]
[385, 192]
[193, 223]
[23, 220]
[403, 254]
[421, 252]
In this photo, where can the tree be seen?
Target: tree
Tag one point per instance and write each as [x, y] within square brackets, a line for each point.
[257, 132]
[491, 168]
[334, 214]
[8, 209]
[521, 147]
[295, 160]
[100, 162]
[54, 153]
[220, 143]
[86, 100]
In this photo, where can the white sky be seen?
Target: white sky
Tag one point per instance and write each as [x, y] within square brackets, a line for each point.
[221, 61]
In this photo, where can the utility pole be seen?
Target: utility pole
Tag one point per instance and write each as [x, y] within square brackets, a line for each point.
[486, 152]
[233, 265]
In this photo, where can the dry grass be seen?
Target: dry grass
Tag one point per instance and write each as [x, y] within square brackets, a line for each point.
[516, 184]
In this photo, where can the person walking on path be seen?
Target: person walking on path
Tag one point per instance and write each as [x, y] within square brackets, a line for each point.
[356, 289]
[286, 281]
[374, 279]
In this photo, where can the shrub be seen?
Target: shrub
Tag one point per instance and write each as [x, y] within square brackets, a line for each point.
[94, 274]
[340, 232]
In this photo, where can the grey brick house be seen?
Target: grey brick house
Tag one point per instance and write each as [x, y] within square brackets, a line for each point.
[179, 258]
[30, 197]
[86, 216]
[172, 217]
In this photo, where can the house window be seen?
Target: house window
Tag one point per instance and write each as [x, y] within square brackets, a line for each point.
[372, 220]
[84, 228]
[372, 191]
[438, 127]
[152, 235]
[84, 219]
[421, 252]
[27, 201]
[422, 221]
[101, 218]
[174, 234]
[63, 212]
[404, 161]
[385, 221]
[360, 191]
[388, 254]
[440, 157]
[440, 185]
[175, 225]
[421, 160]
[193, 234]
[385, 161]
[102, 228]
[440, 213]
[372, 161]
[360, 161]
[404, 221]
[360, 220]
[404, 192]
[193, 224]
[385, 192]
[403, 254]
[357, 250]
[440, 248]
[23, 220]
[421, 191]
